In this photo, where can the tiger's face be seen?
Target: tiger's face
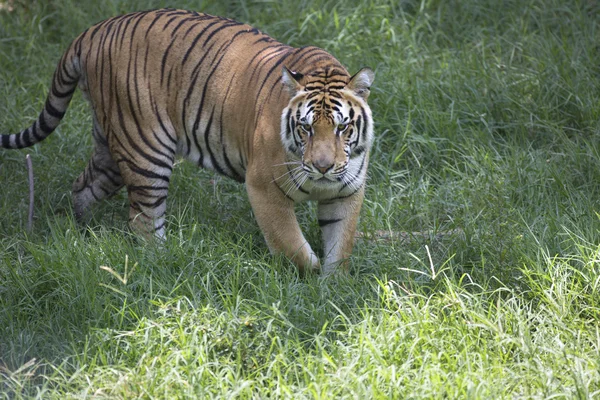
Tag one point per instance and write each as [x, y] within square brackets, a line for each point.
[327, 126]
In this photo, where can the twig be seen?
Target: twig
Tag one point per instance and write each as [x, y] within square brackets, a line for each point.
[389, 236]
[30, 177]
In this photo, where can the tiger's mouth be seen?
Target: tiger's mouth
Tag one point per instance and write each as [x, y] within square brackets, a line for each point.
[325, 179]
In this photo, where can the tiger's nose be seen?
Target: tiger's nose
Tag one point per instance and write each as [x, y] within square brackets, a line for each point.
[323, 165]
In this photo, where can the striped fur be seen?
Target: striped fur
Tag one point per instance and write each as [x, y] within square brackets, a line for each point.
[169, 83]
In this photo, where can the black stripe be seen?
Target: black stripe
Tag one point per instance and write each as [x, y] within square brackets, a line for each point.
[173, 11]
[165, 145]
[161, 225]
[277, 46]
[180, 24]
[364, 115]
[156, 18]
[6, 141]
[70, 79]
[194, 136]
[123, 37]
[337, 103]
[169, 80]
[358, 128]
[62, 95]
[96, 29]
[52, 111]
[195, 25]
[26, 136]
[153, 204]
[35, 133]
[358, 150]
[186, 101]
[213, 160]
[295, 135]
[146, 65]
[311, 58]
[146, 188]
[311, 102]
[133, 32]
[18, 141]
[60, 80]
[44, 125]
[162, 124]
[270, 72]
[290, 124]
[163, 63]
[103, 63]
[325, 222]
[265, 38]
[143, 172]
[353, 143]
[235, 175]
[302, 53]
[224, 26]
[136, 88]
[195, 41]
[170, 21]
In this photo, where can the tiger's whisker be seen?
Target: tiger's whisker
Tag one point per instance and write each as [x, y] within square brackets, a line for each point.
[288, 163]
[287, 173]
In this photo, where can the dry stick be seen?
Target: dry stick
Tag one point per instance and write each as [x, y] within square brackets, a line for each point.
[389, 236]
[30, 176]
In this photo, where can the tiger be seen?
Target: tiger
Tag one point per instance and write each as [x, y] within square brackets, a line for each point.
[289, 122]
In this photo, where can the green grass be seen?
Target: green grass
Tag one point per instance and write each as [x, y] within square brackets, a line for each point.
[487, 121]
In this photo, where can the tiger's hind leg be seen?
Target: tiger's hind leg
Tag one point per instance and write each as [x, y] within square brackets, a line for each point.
[147, 207]
[147, 179]
[100, 179]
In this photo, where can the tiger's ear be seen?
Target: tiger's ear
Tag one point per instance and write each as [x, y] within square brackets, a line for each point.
[291, 80]
[361, 82]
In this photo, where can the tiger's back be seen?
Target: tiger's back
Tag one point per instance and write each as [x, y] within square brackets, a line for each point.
[170, 82]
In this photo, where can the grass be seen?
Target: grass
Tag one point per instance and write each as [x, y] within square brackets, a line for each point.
[487, 130]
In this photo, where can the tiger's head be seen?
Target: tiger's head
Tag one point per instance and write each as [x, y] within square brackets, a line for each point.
[327, 126]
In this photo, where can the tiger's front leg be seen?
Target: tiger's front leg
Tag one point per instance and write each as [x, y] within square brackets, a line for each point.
[337, 220]
[277, 220]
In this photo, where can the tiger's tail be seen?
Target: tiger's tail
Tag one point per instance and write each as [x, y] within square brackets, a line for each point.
[64, 83]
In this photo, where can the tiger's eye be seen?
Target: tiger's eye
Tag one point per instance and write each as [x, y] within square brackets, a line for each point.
[342, 127]
[307, 127]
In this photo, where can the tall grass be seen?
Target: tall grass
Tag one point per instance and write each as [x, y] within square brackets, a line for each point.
[487, 149]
